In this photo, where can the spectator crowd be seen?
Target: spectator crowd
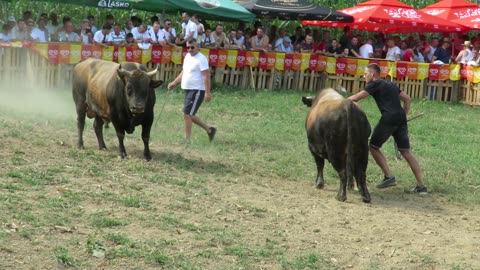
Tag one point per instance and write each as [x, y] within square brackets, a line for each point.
[444, 50]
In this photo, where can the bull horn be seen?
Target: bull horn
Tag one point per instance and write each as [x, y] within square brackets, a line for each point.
[153, 72]
[123, 73]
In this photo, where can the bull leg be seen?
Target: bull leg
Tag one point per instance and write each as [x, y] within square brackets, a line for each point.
[361, 180]
[121, 136]
[98, 127]
[342, 191]
[146, 140]
[320, 162]
[81, 114]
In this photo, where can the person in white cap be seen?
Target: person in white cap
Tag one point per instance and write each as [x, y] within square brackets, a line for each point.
[12, 22]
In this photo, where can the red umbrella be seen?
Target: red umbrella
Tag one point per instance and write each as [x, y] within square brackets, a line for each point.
[459, 11]
[391, 16]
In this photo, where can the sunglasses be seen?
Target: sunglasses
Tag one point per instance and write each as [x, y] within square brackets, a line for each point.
[191, 47]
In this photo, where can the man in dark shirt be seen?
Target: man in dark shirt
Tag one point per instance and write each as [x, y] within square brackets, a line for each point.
[393, 122]
[334, 48]
[442, 53]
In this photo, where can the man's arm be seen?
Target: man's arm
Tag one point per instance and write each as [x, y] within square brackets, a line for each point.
[359, 96]
[206, 80]
[406, 101]
[176, 81]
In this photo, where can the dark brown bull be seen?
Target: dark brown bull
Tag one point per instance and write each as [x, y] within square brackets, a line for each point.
[338, 131]
[121, 94]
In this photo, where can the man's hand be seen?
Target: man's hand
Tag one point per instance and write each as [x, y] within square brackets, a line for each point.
[208, 97]
[171, 85]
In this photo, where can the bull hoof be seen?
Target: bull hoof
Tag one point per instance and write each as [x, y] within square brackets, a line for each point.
[122, 156]
[320, 186]
[341, 198]
[81, 147]
[147, 158]
[367, 199]
[102, 148]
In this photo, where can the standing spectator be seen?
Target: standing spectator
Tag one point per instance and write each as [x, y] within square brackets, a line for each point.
[393, 122]
[466, 54]
[403, 47]
[68, 35]
[259, 41]
[238, 40]
[169, 32]
[346, 37]
[414, 53]
[429, 49]
[442, 54]
[286, 45]
[142, 37]
[53, 24]
[118, 36]
[379, 46]
[207, 39]
[200, 28]
[128, 27]
[366, 51]
[27, 15]
[5, 36]
[297, 36]
[40, 33]
[195, 81]
[91, 19]
[334, 48]
[352, 47]
[102, 37]
[21, 33]
[189, 30]
[281, 34]
[12, 22]
[306, 46]
[110, 20]
[157, 35]
[219, 38]
[86, 35]
[393, 52]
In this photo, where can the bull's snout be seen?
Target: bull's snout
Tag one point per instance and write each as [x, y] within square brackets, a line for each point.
[139, 108]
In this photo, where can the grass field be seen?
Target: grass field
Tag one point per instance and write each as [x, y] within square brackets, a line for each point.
[246, 201]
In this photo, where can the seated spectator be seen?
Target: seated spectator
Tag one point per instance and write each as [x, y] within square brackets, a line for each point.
[40, 33]
[129, 39]
[157, 35]
[68, 35]
[86, 35]
[207, 39]
[117, 36]
[102, 37]
[334, 48]
[219, 38]
[286, 45]
[466, 54]
[259, 41]
[5, 36]
[366, 50]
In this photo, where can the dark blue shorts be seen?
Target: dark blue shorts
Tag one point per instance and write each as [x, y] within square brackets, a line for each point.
[193, 100]
[383, 131]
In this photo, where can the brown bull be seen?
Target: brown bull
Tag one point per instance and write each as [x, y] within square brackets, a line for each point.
[121, 94]
[338, 131]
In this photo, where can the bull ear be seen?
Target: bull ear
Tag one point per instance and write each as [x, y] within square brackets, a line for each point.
[153, 72]
[307, 101]
[155, 83]
[122, 73]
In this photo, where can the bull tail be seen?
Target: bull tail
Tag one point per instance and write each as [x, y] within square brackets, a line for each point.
[350, 166]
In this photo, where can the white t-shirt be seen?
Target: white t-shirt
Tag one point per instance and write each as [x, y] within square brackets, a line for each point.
[158, 37]
[365, 50]
[40, 34]
[98, 37]
[192, 71]
[392, 53]
[190, 27]
[167, 34]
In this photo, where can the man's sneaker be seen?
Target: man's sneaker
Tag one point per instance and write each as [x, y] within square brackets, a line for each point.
[420, 190]
[387, 182]
[211, 133]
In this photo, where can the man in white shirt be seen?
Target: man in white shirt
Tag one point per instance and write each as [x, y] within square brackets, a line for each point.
[189, 30]
[393, 52]
[103, 37]
[195, 79]
[169, 31]
[157, 36]
[40, 33]
[366, 50]
[118, 36]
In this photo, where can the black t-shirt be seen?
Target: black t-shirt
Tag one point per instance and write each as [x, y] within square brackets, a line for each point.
[387, 97]
[337, 50]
